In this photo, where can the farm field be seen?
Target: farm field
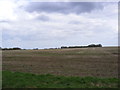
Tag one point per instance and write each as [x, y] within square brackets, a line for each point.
[99, 62]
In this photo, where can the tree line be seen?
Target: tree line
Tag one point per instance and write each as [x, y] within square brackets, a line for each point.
[91, 45]
[62, 47]
[15, 48]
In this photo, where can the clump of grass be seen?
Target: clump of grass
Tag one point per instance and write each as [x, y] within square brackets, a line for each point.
[28, 80]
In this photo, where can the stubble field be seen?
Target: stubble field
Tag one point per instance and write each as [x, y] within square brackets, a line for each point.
[61, 68]
[96, 62]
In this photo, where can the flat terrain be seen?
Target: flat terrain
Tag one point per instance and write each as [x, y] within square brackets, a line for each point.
[95, 62]
[28, 80]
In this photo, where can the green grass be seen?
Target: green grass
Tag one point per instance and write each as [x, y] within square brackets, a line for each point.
[28, 80]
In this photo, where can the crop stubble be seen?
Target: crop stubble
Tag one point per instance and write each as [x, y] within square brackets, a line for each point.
[98, 62]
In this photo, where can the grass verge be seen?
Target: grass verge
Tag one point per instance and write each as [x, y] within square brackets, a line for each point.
[28, 80]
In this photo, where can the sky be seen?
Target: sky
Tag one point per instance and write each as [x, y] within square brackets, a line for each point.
[28, 24]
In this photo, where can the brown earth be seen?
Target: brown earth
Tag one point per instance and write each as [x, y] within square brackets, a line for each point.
[98, 62]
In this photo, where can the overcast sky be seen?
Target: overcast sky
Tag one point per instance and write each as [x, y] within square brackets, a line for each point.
[27, 24]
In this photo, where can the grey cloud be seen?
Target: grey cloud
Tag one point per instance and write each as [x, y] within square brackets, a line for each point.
[74, 22]
[63, 7]
[42, 18]
[4, 21]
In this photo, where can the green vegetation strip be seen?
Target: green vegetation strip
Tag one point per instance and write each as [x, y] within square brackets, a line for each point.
[28, 80]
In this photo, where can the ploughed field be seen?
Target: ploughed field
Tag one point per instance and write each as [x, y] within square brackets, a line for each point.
[95, 62]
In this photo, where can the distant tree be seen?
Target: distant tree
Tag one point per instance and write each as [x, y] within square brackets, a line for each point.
[99, 45]
[64, 47]
[5, 49]
[93, 45]
[15, 48]
[35, 49]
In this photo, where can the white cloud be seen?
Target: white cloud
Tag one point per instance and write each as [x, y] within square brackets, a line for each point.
[24, 30]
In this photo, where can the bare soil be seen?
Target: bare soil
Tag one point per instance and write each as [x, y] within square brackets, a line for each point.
[97, 62]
